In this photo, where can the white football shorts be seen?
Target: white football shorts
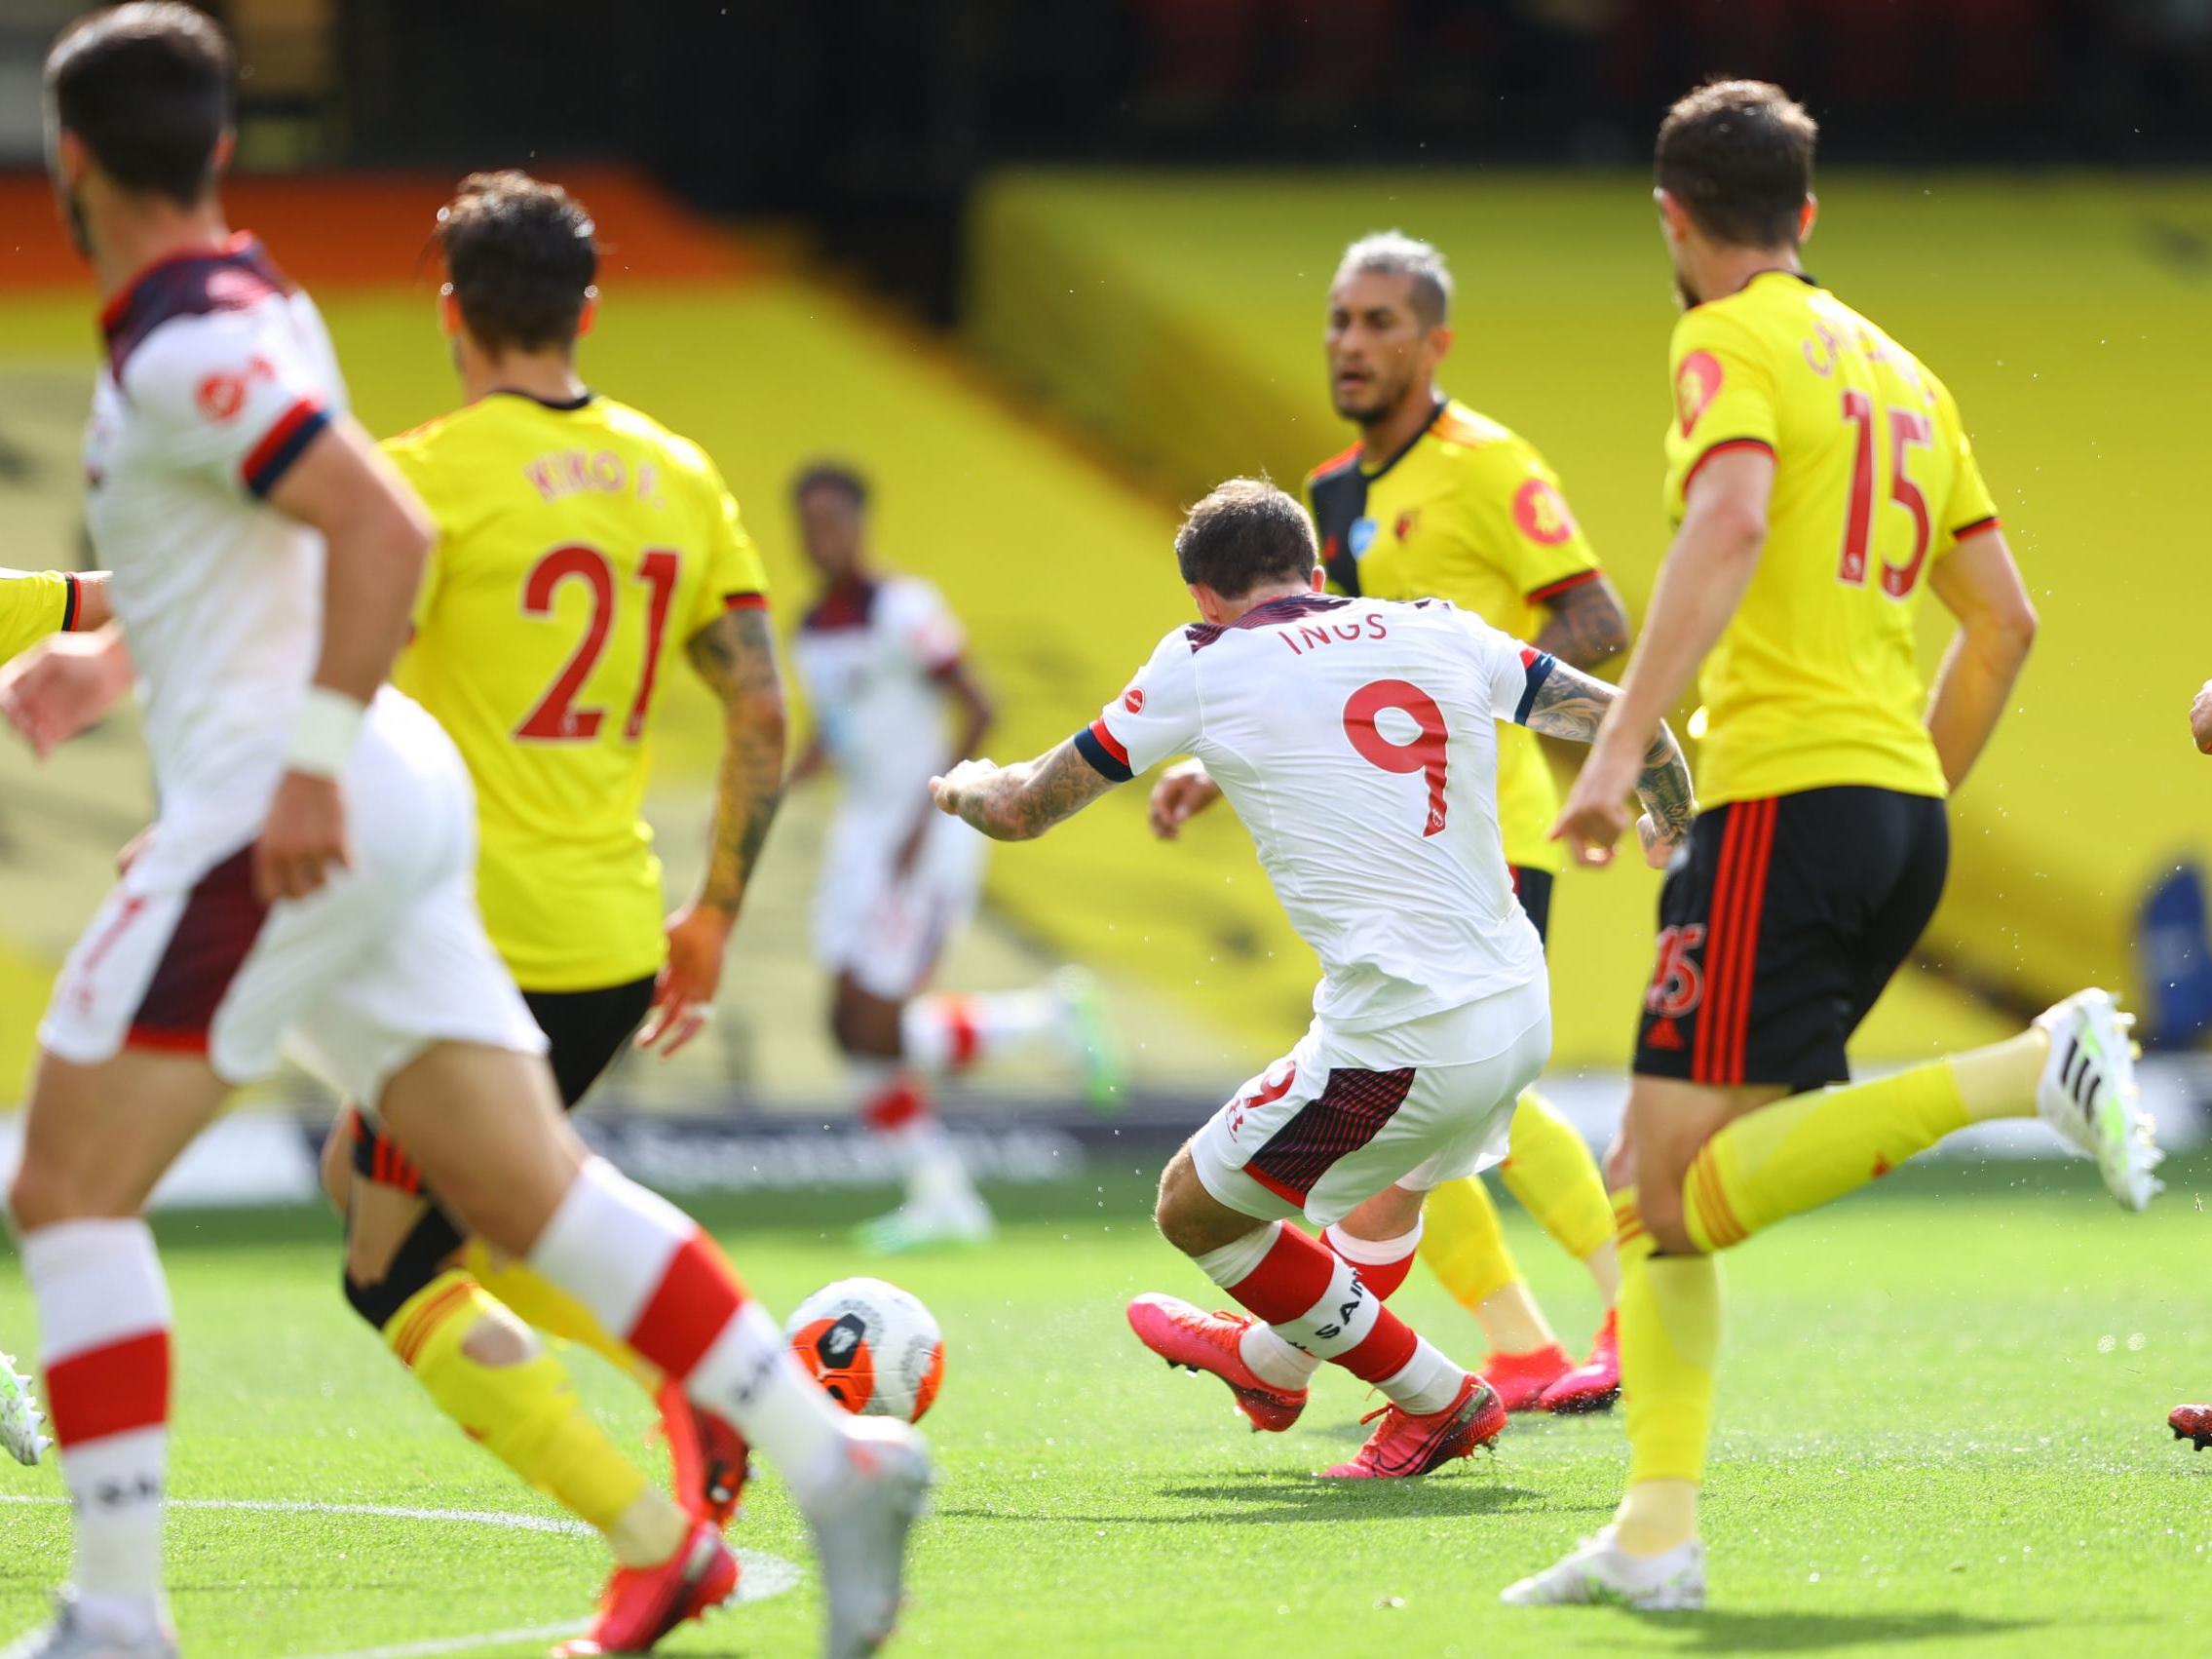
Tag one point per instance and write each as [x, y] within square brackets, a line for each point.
[886, 925]
[352, 982]
[1323, 1130]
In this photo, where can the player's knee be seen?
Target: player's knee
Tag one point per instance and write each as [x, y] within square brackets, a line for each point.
[337, 1165]
[864, 1027]
[1658, 1205]
[45, 1193]
[1177, 1215]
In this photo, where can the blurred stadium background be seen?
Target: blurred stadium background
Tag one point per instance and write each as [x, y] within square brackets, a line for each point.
[1046, 272]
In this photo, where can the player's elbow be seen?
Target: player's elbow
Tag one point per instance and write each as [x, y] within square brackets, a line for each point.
[2015, 624]
[408, 533]
[1734, 531]
[761, 711]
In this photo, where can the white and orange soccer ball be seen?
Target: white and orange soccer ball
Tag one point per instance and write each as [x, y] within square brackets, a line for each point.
[874, 1347]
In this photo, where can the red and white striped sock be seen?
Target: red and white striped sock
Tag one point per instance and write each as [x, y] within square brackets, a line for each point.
[646, 1269]
[103, 1319]
[898, 1106]
[1382, 1265]
[951, 1031]
[1314, 1300]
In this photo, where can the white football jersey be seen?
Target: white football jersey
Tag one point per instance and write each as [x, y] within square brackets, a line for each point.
[1358, 741]
[218, 376]
[869, 655]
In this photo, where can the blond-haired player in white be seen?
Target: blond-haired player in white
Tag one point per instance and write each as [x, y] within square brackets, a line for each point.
[1356, 739]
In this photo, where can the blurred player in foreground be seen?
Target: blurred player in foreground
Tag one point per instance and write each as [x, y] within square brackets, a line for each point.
[1333, 722]
[582, 547]
[1436, 500]
[1823, 483]
[309, 885]
[881, 657]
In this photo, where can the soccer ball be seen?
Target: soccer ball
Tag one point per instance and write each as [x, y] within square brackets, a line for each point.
[873, 1346]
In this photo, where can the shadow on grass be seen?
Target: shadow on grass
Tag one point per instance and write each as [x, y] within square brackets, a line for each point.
[1726, 1631]
[1237, 1500]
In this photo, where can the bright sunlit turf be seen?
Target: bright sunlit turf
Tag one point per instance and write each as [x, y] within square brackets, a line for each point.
[1942, 1421]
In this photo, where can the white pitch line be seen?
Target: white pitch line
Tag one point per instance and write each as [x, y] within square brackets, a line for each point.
[461, 1643]
[764, 1575]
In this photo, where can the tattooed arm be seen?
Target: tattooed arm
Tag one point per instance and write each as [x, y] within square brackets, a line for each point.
[1570, 704]
[1589, 626]
[1020, 802]
[735, 656]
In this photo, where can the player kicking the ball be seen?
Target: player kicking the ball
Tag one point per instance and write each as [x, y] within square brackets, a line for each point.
[308, 887]
[1358, 740]
[1824, 484]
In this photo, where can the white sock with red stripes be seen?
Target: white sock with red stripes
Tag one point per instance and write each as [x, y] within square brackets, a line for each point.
[646, 1269]
[103, 1318]
[1382, 1265]
[951, 1031]
[899, 1108]
[1315, 1301]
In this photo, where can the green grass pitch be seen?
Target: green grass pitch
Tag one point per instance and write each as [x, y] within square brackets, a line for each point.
[1941, 1426]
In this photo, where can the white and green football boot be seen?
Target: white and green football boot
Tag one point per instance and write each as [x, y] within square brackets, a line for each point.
[1598, 1573]
[2088, 1094]
[1090, 1033]
[21, 1422]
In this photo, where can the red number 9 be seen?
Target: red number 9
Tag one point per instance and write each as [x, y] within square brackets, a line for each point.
[1426, 753]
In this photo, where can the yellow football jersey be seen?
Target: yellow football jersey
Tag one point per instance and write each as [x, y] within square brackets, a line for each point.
[1468, 511]
[580, 547]
[1815, 683]
[33, 604]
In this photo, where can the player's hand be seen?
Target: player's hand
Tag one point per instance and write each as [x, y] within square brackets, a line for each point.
[1596, 812]
[683, 998]
[61, 687]
[1659, 842]
[964, 780]
[2201, 718]
[1184, 791]
[303, 840]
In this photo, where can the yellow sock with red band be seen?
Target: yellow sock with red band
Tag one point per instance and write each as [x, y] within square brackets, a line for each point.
[486, 1372]
[1801, 1152]
[1670, 1337]
[551, 1309]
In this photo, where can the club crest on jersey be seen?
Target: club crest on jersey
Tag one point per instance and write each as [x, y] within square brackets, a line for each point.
[1360, 537]
[1541, 511]
[1696, 383]
[1406, 521]
[221, 395]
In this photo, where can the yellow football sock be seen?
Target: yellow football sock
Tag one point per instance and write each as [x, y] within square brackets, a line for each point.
[525, 1410]
[1549, 1169]
[1464, 1247]
[1671, 1337]
[546, 1305]
[1464, 1244]
[1801, 1152]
